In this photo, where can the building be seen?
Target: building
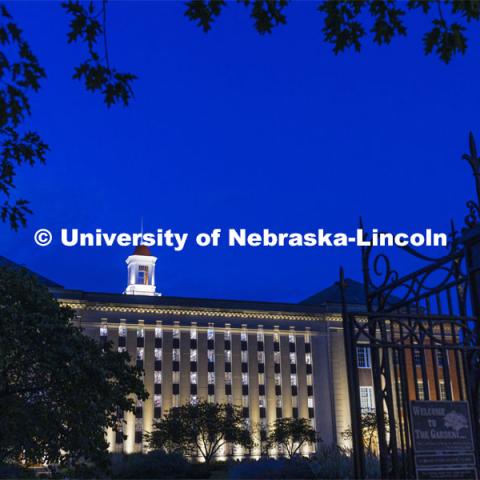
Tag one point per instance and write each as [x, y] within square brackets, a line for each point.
[272, 359]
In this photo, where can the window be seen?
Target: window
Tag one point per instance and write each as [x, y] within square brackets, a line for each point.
[310, 402]
[176, 333]
[244, 401]
[193, 355]
[276, 337]
[244, 378]
[140, 333]
[228, 378]
[443, 390]
[363, 357]
[175, 400]
[261, 357]
[261, 402]
[140, 353]
[211, 398]
[421, 391]
[228, 355]
[278, 379]
[291, 338]
[175, 377]
[293, 380]
[366, 399]
[295, 402]
[229, 399]
[309, 380]
[103, 331]
[210, 334]
[244, 355]
[158, 354]
[176, 354]
[193, 378]
[308, 358]
[211, 355]
[122, 331]
[158, 332]
[142, 275]
[243, 337]
[122, 349]
[293, 358]
[278, 402]
[260, 336]
[227, 334]
[261, 378]
[440, 357]
[193, 333]
[417, 357]
[158, 377]
[276, 357]
[211, 378]
[157, 400]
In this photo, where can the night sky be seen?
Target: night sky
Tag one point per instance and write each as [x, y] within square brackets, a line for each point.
[232, 129]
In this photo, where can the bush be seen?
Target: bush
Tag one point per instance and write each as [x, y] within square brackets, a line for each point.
[153, 465]
[270, 468]
[13, 470]
[332, 462]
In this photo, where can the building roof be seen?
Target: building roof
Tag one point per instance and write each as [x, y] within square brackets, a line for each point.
[354, 292]
[5, 262]
[142, 250]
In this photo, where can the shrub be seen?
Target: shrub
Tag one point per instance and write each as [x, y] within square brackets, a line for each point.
[154, 465]
[271, 469]
[13, 470]
[332, 462]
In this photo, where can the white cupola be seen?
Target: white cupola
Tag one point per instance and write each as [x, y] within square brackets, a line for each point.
[141, 272]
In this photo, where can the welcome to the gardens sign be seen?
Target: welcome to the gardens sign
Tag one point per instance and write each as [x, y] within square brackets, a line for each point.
[442, 440]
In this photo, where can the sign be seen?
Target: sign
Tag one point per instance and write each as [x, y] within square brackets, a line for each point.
[442, 440]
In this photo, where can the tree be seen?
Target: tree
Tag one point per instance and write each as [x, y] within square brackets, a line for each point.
[291, 434]
[200, 429]
[369, 430]
[344, 24]
[59, 389]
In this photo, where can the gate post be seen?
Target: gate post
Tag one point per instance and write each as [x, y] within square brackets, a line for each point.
[353, 387]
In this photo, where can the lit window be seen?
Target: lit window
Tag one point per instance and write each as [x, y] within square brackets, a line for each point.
[139, 403]
[421, 391]
[244, 401]
[294, 401]
[261, 357]
[366, 399]
[122, 331]
[443, 390]
[158, 332]
[176, 333]
[103, 331]
[260, 336]
[175, 401]
[158, 377]
[278, 379]
[193, 399]
[293, 380]
[157, 400]
[228, 355]
[193, 333]
[261, 402]
[122, 349]
[140, 353]
[228, 378]
[261, 378]
[276, 357]
[211, 378]
[229, 399]
[193, 378]
[244, 356]
[227, 335]
[291, 338]
[193, 355]
[276, 337]
[363, 357]
[243, 336]
[176, 354]
[175, 377]
[278, 402]
[140, 333]
[308, 358]
[310, 402]
[244, 378]
[211, 398]
[293, 358]
[158, 354]
[210, 334]
[309, 380]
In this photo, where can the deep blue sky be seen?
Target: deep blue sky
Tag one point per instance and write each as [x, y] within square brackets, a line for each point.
[232, 129]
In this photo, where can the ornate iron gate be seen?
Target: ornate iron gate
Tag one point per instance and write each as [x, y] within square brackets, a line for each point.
[423, 332]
